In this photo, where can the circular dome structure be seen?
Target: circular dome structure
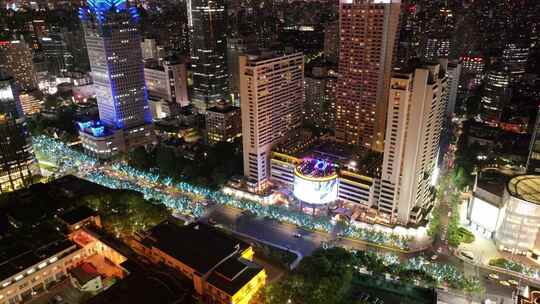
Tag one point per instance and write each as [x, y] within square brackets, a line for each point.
[525, 187]
[519, 219]
[315, 181]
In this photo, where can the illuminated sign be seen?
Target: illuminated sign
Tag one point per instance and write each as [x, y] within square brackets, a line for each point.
[316, 192]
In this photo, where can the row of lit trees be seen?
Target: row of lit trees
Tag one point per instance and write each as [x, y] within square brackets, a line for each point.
[183, 196]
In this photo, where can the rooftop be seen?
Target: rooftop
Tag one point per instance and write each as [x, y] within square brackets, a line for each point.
[84, 273]
[24, 256]
[143, 288]
[233, 274]
[493, 181]
[197, 245]
[525, 187]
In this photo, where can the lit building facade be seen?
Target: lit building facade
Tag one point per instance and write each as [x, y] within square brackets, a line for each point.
[207, 20]
[515, 58]
[453, 72]
[59, 60]
[416, 108]
[320, 102]
[236, 47]
[367, 42]
[331, 42]
[223, 123]
[495, 96]
[168, 82]
[114, 48]
[149, 49]
[518, 225]
[17, 161]
[318, 179]
[30, 104]
[472, 71]
[435, 48]
[16, 58]
[271, 98]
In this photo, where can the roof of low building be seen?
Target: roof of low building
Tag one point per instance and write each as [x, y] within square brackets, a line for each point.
[84, 273]
[197, 245]
[233, 274]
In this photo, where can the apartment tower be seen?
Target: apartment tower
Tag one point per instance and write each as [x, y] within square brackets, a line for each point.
[367, 42]
[416, 112]
[271, 98]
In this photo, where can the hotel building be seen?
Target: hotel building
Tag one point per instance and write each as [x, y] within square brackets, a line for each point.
[367, 42]
[271, 98]
[416, 108]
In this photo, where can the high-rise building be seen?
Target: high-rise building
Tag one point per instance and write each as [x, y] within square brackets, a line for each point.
[331, 42]
[236, 47]
[223, 123]
[416, 106]
[59, 60]
[271, 99]
[320, 101]
[208, 52]
[533, 161]
[495, 95]
[514, 58]
[168, 82]
[436, 48]
[16, 58]
[114, 48]
[149, 49]
[367, 42]
[472, 71]
[17, 161]
[453, 72]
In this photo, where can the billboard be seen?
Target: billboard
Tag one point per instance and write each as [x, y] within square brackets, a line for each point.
[316, 191]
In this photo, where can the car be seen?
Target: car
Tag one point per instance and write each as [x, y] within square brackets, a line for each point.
[434, 257]
[504, 283]
[493, 276]
[297, 235]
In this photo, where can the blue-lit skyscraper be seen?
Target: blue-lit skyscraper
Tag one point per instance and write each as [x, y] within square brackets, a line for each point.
[114, 49]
